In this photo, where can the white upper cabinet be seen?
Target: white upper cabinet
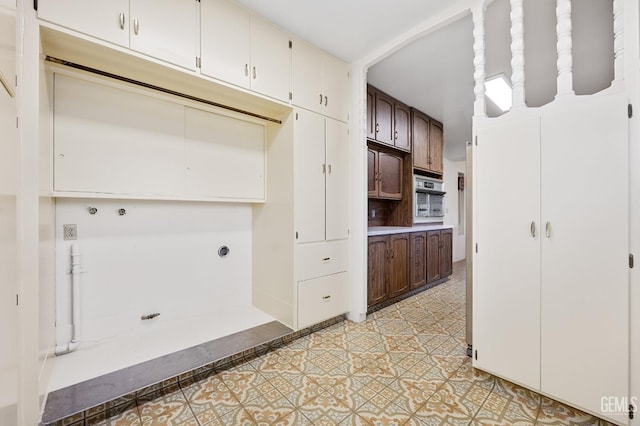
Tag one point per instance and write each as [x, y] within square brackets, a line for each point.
[319, 81]
[225, 44]
[270, 60]
[166, 30]
[104, 19]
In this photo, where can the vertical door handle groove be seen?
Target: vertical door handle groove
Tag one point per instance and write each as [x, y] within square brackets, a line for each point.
[122, 21]
[136, 26]
[533, 228]
[547, 229]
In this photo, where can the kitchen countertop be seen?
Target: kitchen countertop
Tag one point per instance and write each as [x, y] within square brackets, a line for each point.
[387, 230]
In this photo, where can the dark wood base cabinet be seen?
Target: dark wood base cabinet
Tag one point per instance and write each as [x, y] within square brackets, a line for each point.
[388, 267]
[398, 263]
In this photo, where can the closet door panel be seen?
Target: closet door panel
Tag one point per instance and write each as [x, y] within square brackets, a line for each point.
[337, 181]
[506, 323]
[585, 283]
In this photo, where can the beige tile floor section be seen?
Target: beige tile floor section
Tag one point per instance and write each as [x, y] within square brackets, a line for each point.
[405, 365]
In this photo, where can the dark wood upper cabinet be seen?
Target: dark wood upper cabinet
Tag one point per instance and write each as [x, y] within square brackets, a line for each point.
[389, 176]
[435, 147]
[399, 270]
[402, 127]
[384, 119]
[420, 132]
[378, 269]
[372, 173]
[371, 113]
[418, 265]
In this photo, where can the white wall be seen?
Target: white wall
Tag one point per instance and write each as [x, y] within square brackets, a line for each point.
[451, 170]
[159, 257]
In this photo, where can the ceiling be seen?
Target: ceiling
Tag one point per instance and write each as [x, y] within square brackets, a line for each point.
[435, 73]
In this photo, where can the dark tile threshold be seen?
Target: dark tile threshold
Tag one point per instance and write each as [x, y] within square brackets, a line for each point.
[119, 385]
[406, 295]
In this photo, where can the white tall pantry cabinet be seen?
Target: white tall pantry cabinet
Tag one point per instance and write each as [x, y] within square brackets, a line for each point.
[551, 286]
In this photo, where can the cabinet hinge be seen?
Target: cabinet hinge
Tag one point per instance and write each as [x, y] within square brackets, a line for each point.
[475, 354]
[296, 235]
[17, 122]
[198, 62]
[17, 300]
[630, 110]
[296, 116]
[290, 96]
[290, 44]
[631, 411]
[476, 141]
[476, 247]
[35, 5]
[630, 260]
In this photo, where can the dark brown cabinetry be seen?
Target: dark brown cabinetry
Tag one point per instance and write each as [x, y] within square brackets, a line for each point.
[388, 120]
[384, 175]
[388, 267]
[427, 142]
[418, 265]
[439, 254]
[399, 263]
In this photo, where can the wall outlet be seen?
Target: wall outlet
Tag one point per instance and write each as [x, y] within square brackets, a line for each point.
[70, 232]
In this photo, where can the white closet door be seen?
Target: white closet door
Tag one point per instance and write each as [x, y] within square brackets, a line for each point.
[506, 322]
[270, 60]
[337, 204]
[336, 88]
[585, 284]
[224, 156]
[309, 176]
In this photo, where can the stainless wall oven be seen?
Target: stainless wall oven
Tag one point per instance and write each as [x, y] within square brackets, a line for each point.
[428, 200]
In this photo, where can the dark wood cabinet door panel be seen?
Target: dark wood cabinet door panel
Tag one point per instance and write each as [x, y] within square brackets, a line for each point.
[446, 253]
[418, 262]
[371, 113]
[384, 119]
[378, 271]
[433, 256]
[372, 173]
[399, 271]
[390, 176]
[435, 147]
[420, 137]
[402, 127]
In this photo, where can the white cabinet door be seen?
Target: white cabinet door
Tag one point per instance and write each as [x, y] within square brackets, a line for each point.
[337, 180]
[506, 322]
[309, 176]
[270, 60]
[108, 140]
[166, 29]
[225, 41]
[104, 19]
[336, 88]
[7, 51]
[306, 76]
[585, 281]
[224, 156]
[322, 298]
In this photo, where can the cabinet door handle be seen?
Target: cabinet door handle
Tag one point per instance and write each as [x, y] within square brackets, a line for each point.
[547, 229]
[533, 228]
[326, 101]
[329, 167]
[255, 73]
[326, 259]
[324, 169]
[122, 21]
[377, 127]
[395, 135]
[393, 254]
[320, 98]
[326, 297]
[136, 26]
[246, 70]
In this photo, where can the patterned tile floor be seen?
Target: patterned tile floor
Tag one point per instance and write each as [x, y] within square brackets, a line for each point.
[405, 365]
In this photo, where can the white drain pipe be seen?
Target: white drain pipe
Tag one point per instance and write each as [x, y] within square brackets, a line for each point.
[76, 270]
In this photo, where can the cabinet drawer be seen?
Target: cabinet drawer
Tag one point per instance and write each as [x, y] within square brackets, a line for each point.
[322, 298]
[319, 259]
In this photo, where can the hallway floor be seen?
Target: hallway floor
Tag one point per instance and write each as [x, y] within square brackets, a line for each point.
[405, 365]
